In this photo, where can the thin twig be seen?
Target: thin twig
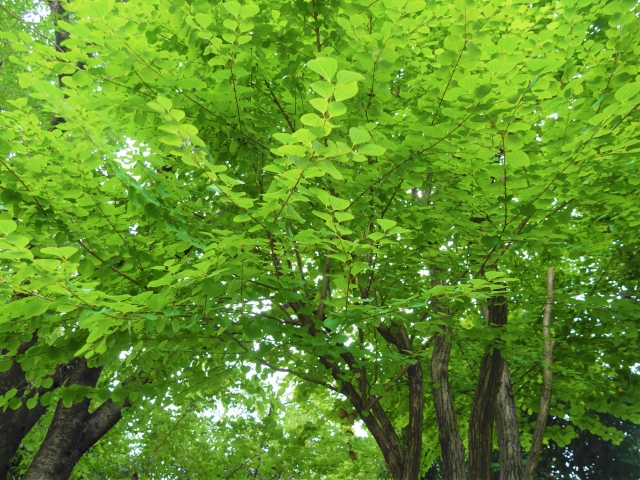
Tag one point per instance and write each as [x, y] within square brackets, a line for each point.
[94, 254]
[280, 369]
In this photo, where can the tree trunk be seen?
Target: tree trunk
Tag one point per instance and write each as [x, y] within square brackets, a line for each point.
[507, 427]
[73, 430]
[547, 383]
[484, 400]
[15, 424]
[413, 453]
[403, 463]
[448, 431]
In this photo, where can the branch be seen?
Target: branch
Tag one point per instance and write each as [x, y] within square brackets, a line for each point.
[547, 384]
[94, 254]
[325, 287]
[286, 117]
[283, 370]
[32, 29]
[175, 425]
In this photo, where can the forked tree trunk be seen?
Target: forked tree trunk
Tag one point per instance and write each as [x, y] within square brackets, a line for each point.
[15, 424]
[484, 400]
[73, 430]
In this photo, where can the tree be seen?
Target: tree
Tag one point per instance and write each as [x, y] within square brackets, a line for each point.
[365, 196]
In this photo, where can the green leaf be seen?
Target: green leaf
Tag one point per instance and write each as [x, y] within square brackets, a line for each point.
[32, 402]
[338, 203]
[493, 274]
[345, 76]
[304, 135]
[7, 226]
[233, 8]
[99, 9]
[324, 66]
[323, 88]
[386, 224]
[358, 135]
[319, 104]
[203, 19]
[328, 167]
[250, 10]
[64, 252]
[627, 92]
[371, 150]
[15, 403]
[415, 6]
[173, 140]
[345, 91]
[343, 216]
[36, 306]
[312, 120]
[517, 159]
[99, 330]
[336, 109]
[332, 323]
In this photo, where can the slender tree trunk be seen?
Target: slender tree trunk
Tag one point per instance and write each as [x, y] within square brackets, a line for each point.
[413, 453]
[73, 430]
[484, 400]
[15, 424]
[448, 431]
[547, 383]
[507, 426]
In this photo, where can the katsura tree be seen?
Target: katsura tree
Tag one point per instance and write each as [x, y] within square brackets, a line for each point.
[369, 196]
[42, 352]
[250, 432]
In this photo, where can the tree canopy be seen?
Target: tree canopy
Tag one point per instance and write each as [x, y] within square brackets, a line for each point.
[416, 217]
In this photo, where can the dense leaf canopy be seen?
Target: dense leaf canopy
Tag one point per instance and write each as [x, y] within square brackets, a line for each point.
[322, 189]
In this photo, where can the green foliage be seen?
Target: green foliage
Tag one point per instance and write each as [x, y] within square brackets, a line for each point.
[226, 170]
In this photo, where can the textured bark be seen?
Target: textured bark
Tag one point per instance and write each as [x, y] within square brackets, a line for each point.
[374, 416]
[451, 445]
[484, 400]
[403, 463]
[15, 424]
[13, 427]
[73, 430]
[448, 431]
[507, 427]
[547, 383]
[413, 451]
[382, 430]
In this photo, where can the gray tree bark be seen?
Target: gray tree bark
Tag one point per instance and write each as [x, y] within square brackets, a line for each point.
[547, 384]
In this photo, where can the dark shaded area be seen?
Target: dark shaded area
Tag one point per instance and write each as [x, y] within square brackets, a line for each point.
[587, 457]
